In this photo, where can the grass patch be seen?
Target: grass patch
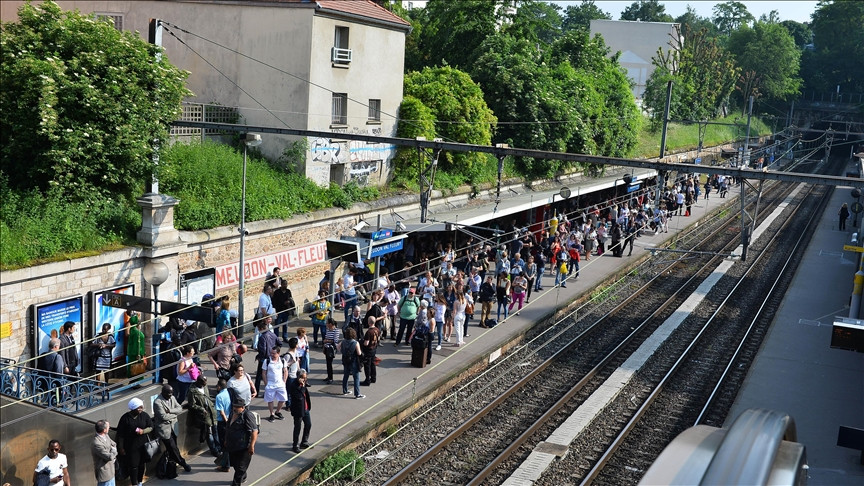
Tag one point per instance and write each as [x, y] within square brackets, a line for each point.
[348, 463]
[207, 178]
[681, 137]
[37, 228]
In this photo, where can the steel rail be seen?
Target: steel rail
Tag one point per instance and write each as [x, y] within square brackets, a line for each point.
[652, 397]
[418, 462]
[792, 254]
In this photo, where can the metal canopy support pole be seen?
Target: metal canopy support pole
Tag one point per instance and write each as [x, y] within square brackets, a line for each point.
[377, 261]
[662, 174]
[427, 180]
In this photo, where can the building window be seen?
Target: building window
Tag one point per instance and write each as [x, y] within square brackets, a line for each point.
[341, 53]
[340, 109]
[116, 18]
[375, 110]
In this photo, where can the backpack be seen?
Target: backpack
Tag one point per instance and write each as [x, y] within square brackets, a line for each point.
[166, 468]
[349, 358]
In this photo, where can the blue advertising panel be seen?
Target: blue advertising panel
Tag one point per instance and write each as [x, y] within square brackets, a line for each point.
[49, 319]
[114, 316]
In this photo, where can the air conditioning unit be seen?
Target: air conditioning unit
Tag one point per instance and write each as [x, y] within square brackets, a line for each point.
[340, 55]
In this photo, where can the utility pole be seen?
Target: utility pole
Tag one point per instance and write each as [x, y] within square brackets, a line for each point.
[661, 174]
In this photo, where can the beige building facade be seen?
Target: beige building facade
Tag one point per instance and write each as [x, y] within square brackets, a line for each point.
[326, 65]
[638, 43]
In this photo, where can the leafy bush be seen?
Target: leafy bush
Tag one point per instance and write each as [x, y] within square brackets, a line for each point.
[207, 179]
[329, 466]
[36, 227]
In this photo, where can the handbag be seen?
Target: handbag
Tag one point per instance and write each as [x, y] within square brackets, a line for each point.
[223, 374]
[194, 372]
[469, 309]
[151, 447]
[377, 360]
[43, 478]
[138, 367]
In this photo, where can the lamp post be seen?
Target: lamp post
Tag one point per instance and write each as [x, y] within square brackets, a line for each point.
[155, 273]
[249, 140]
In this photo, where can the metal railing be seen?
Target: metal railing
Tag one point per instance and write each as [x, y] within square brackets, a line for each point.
[48, 389]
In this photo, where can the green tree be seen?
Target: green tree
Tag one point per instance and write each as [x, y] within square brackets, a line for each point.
[838, 47]
[800, 32]
[453, 31]
[646, 11]
[768, 51]
[728, 16]
[458, 108]
[580, 16]
[81, 103]
[570, 98]
[539, 22]
[693, 22]
[415, 120]
[703, 75]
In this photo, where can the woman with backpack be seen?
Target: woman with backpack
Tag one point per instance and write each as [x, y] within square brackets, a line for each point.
[351, 354]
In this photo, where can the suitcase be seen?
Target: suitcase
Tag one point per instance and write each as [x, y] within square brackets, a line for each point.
[419, 356]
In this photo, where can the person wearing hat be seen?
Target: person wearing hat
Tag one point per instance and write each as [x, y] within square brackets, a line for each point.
[408, 307]
[240, 437]
[132, 430]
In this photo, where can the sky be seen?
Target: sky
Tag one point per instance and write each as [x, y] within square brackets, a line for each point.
[798, 11]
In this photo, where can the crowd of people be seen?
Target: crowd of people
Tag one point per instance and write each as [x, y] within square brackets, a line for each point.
[425, 305]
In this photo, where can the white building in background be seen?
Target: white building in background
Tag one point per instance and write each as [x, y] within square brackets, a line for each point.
[327, 65]
[638, 42]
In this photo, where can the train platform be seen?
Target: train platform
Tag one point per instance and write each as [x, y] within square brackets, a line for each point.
[797, 372]
[339, 421]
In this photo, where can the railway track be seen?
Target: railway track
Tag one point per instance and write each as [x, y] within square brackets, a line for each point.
[484, 429]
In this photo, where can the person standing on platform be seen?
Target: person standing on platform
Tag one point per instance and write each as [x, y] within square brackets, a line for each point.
[369, 346]
[351, 354]
[502, 294]
[844, 215]
[301, 405]
[391, 301]
[54, 465]
[104, 452]
[486, 297]
[408, 307]
[166, 408]
[267, 339]
[135, 349]
[132, 430]
[222, 405]
[240, 438]
[275, 391]
[331, 345]
[282, 304]
[320, 312]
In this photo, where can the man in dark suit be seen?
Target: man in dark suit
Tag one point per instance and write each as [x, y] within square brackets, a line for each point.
[301, 404]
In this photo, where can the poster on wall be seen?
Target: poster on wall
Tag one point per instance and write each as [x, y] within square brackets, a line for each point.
[194, 285]
[104, 314]
[49, 319]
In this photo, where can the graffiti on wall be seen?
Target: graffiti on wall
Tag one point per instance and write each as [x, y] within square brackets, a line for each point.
[329, 151]
[360, 172]
[325, 150]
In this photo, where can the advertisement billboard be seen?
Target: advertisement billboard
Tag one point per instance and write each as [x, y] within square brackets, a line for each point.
[48, 320]
[102, 313]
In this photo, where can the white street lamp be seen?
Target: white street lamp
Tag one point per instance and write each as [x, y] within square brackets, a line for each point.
[249, 140]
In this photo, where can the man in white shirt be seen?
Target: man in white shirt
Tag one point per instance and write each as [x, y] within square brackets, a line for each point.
[54, 465]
